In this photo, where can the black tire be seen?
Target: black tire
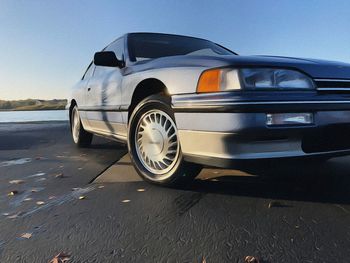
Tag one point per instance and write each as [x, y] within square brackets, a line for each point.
[80, 137]
[180, 171]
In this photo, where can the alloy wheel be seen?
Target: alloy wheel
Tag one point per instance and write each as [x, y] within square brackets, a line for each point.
[157, 143]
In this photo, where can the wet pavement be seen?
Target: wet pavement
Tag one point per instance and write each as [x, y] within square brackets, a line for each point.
[86, 204]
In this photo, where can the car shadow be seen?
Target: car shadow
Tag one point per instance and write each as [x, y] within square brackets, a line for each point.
[327, 183]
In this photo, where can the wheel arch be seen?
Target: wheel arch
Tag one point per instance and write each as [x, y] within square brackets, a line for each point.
[145, 88]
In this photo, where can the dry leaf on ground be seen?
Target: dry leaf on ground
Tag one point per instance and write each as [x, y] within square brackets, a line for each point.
[15, 215]
[40, 202]
[26, 235]
[126, 201]
[81, 197]
[251, 259]
[60, 258]
[14, 192]
[141, 190]
[59, 175]
[16, 181]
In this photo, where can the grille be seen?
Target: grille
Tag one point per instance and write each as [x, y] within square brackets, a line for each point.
[333, 85]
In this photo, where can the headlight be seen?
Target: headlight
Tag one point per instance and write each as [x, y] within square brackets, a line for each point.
[268, 78]
[216, 80]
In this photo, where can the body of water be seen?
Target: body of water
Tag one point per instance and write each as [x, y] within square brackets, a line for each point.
[30, 116]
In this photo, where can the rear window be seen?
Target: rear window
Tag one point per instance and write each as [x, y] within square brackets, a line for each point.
[149, 46]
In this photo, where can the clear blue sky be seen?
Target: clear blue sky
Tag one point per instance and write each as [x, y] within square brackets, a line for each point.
[46, 45]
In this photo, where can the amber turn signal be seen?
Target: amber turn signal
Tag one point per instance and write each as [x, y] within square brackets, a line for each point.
[209, 81]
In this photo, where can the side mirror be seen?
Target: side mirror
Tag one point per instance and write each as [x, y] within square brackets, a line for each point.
[107, 59]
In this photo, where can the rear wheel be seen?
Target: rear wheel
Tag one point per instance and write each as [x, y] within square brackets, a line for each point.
[154, 144]
[81, 137]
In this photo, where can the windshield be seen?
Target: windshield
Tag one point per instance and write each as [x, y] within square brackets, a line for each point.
[144, 46]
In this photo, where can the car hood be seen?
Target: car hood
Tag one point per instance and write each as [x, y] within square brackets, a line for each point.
[318, 69]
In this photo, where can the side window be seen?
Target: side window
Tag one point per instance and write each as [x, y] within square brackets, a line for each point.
[118, 48]
[89, 71]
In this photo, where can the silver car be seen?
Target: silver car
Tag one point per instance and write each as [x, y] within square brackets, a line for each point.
[181, 102]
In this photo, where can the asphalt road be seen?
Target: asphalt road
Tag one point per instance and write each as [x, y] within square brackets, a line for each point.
[299, 215]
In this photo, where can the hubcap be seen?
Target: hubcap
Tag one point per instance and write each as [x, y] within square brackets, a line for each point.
[75, 126]
[157, 143]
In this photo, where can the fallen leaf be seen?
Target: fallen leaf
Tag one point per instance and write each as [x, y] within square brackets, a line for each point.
[5, 214]
[251, 259]
[26, 235]
[15, 215]
[141, 190]
[52, 197]
[80, 168]
[59, 175]
[81, 197]
[126, 201]
[60, 258]
[101, 186]
[40, 202]
[28, 199]
[16, 181]
[14, 192]
[34, 190]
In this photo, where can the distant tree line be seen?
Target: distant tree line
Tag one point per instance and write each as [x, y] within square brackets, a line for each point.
[32, 104]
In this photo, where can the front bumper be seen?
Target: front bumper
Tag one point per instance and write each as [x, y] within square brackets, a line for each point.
[222, 129]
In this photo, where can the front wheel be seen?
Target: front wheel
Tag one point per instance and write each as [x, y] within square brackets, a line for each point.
[154, 144]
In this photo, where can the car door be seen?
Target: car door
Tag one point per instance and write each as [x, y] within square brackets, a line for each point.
[103, 96]
[80, 94]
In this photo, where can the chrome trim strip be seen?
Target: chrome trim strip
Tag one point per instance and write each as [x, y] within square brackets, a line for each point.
[100, 108]
[204, 103]
[334, 89]
[333, 80]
